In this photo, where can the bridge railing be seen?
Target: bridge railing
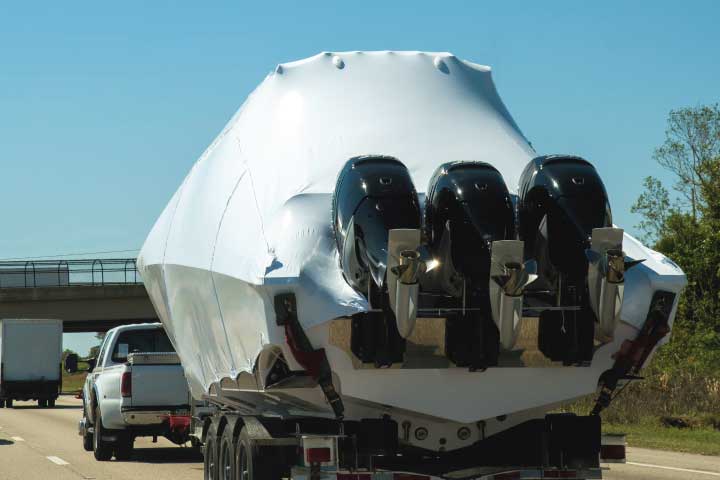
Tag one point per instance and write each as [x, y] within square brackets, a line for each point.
[65, 273]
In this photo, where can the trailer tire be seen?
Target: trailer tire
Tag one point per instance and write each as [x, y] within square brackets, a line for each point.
[251, 465]
[210, 454]
[9, 403]
[2, 403]
[42, 403]
[51, 403]
[226, 455]
[101, 449]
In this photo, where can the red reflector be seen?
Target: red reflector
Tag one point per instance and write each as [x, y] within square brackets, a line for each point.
[559, 474]
[317, 455]
[612, 452]
[179, 423]
[353, 476]
[409, 476]
[126, 385]
[507, 476]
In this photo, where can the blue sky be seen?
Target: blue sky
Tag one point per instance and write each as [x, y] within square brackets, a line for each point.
[105, 106]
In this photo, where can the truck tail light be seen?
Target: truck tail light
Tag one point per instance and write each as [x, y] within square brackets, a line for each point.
[317, 455]
[319, 450]
[126, 384]
[409, 476]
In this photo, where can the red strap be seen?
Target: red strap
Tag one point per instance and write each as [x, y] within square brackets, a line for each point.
[310, 361]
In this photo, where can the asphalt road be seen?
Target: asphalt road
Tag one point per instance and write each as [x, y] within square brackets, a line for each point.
[44, 444]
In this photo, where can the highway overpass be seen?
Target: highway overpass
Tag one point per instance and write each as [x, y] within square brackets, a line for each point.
[87, 295]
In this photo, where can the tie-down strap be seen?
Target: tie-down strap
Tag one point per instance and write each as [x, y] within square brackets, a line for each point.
[313, 360]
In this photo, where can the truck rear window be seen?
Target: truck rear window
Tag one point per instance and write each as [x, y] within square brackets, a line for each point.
[136, 341]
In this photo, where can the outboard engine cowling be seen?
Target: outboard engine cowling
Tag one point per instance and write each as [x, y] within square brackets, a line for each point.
[374, 195]
[468, 207]
[567, 194]
[470, 202]
[562, 201]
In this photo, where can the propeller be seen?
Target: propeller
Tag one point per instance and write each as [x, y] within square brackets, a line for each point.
[516, 276]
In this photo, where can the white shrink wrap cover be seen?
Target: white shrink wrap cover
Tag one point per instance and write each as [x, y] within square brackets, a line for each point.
[253, 218]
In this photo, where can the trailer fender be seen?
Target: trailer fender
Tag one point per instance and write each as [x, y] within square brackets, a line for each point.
[206, 428]
[255, 429]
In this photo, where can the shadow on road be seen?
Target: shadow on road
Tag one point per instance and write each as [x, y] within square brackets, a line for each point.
[167, 455]
[10, 442]
[56, 407]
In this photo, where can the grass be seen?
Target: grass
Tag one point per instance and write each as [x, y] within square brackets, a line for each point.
[702, 440]
[678, 411]
[73, 382]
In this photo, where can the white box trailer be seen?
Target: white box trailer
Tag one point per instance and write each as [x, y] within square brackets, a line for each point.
[30, 361]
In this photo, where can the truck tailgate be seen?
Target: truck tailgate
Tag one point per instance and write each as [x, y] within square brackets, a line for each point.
[158, 380]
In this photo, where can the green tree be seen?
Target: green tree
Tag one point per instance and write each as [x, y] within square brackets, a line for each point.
[654, 207]
[67, 352]
[94, 351]
[691, 146]
[689, 231]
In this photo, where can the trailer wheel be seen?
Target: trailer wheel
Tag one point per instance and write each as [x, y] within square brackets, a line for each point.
[42, 403]
[226, 457]
[2, 403]
[101, 449]
[251, 465]
[9, 403]
[51, 403]
[210, 454]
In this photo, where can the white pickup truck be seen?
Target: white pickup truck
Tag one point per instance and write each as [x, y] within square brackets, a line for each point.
[136, 388]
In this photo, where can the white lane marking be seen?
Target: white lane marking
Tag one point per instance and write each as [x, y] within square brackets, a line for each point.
[57, 460]
[688, 470]
[18, 439]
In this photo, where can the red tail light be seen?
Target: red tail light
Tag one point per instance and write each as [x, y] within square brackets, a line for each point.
[409, 476]
[126, 384]
[559, 474]
[317, 455]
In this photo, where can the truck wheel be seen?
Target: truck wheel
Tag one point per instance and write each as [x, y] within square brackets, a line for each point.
[102, 450]
[51, 403]
[9, 403]
[226, 459]
[124, 446]
[210, 454]
[87, 440]
[195, 442]
[42, 403]
[250, 465]
[2, 403]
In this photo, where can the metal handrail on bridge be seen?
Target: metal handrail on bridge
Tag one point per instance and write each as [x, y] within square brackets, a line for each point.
[65, 273]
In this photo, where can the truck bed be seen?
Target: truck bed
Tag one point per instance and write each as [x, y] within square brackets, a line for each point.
[149, 371]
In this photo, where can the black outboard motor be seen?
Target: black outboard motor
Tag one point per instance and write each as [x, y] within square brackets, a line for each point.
[468, 207]
[471, 201]
[373, 195]
[561, 200]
